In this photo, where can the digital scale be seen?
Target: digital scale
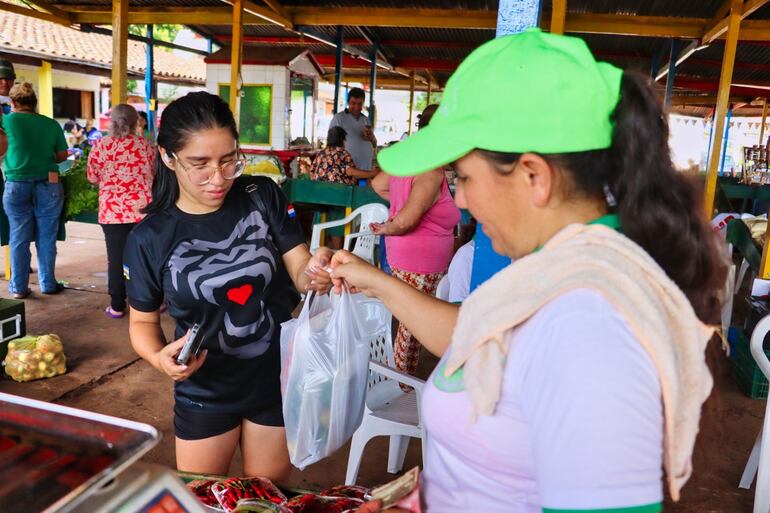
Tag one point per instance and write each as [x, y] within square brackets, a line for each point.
[59, 459]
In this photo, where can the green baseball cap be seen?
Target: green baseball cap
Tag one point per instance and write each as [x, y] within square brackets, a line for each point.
[528, 92]
[6, 69]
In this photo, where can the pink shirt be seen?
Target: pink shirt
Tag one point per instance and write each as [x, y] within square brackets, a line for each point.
[428, 248]
[123, 168]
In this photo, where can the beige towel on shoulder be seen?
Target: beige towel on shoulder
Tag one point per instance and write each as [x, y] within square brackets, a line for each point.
[657, 311]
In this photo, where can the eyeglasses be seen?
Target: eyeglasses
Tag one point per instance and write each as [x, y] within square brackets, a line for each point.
[202, 174]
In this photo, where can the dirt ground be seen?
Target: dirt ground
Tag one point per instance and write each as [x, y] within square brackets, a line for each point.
[106, 376]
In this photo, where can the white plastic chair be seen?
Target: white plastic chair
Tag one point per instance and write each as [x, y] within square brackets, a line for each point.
[760, 453]
[370, 213]
[389, 411]
[442, 289]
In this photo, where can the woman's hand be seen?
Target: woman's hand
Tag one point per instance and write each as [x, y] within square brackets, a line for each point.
[166, 360]
[317, 270]
[378, 228]
[354, 272]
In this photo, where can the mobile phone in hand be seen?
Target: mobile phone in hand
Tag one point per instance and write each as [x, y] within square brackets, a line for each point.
[192, 345]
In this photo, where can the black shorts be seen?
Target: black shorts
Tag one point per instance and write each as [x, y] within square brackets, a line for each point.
[190, 424]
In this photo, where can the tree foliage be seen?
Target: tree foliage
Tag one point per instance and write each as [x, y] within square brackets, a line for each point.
[163, 32]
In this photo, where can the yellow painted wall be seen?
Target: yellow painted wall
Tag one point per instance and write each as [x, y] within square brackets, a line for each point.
[61, 79]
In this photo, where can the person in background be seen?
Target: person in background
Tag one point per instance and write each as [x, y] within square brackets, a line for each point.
[7, 79]
[419, 237]
[33, 196]
[226, 252]
[360, 141]
[335, 164]
[122, 166]
[142, 130]
[73, 133]
[91, 133]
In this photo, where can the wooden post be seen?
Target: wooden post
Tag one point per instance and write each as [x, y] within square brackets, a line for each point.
[558, 15]
[45, 89]
[764, 120]
[411, 101]
[723, 97]
[235, 59]
[119, 51]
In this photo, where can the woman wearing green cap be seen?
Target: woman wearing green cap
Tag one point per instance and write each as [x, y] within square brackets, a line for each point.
[572, 378]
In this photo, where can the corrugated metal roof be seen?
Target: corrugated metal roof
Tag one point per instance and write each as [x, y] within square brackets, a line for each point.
[625, 51]
[682, 8]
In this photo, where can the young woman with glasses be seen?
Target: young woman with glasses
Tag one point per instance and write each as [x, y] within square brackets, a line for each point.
[223, 251]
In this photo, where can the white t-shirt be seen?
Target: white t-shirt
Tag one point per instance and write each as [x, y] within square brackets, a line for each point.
[359, 148]
[579, 425]
[459, 273]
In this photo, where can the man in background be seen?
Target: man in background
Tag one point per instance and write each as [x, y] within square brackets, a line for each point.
[7, 79]
[360, 141]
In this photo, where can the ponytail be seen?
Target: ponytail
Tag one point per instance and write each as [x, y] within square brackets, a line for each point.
[659, 208]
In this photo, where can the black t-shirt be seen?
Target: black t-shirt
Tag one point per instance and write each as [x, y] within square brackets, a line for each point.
[224, 271]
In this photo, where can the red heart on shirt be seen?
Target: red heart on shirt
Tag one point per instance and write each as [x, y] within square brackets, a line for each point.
[241, 294]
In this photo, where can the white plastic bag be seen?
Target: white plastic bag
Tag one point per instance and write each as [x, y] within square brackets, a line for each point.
[325, 368]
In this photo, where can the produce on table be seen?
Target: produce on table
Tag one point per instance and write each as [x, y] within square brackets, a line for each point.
[352, 491]
[201, 488]
[312, 503]
[259, 506]
[35, 357]
[230, 491]
[79, 195]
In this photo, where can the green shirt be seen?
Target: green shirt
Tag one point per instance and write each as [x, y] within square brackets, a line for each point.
[33, 141]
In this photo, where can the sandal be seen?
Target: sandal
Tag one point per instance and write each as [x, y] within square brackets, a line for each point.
[58, 288]
[21, 295]
[114, 314]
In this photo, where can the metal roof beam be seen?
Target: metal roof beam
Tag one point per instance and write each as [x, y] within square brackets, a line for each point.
[355, 52]
[142, 39]
[32, 13]
[47, 7]
[277, 7]
[433, 80]
[269, 15]
[711, 99]
[718, 25]
[717, 28]
[421, 82]
[370, 39]
[688, 50]
[758, 90]
[395, 17]
[158, 15]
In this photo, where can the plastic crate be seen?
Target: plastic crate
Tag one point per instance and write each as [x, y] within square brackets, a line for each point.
[12, 323]
[747, 374]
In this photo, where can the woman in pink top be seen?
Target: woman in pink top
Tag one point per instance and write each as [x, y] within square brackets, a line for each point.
[122, 165]
[419, 237]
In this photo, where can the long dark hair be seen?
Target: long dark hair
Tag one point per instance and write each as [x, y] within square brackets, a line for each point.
[183, 117]
[658, 207]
